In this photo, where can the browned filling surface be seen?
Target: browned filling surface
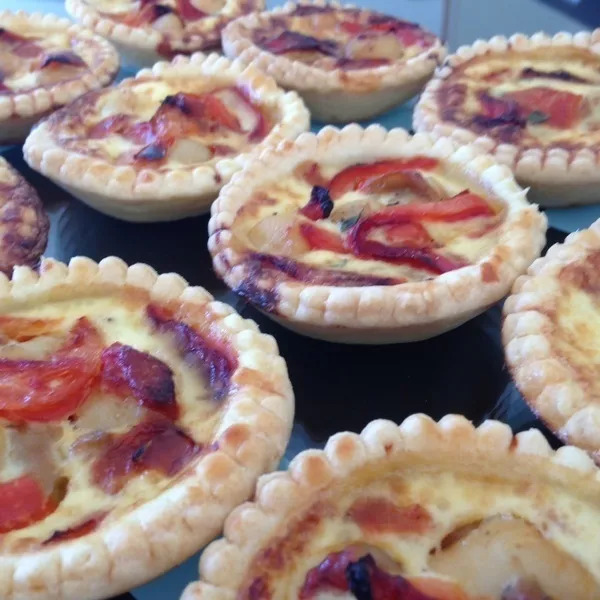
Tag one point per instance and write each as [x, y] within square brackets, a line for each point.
[158, 125]
[350, 39]
[419, 538]
[38, 60]
[548, 97]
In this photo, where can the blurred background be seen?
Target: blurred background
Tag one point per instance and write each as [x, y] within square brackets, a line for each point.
[458, 21]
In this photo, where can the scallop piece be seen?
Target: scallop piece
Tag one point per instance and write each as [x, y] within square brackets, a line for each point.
[169, 24]
[107, 412]
[278, 234]
[29, 451]
[511, 549]
[189, 152]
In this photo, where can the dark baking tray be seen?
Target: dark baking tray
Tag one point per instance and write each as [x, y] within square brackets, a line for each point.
[337, 387]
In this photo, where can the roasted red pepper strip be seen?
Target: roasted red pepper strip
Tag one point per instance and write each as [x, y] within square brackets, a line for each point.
[319, 206]
[210, 355]
[77, 531]
[22, 502]
[345, 572]
[463, 206]
[408, 234]
[460, 207]
[352, 178]
[156, 444]
[129, 372]
[319, 238]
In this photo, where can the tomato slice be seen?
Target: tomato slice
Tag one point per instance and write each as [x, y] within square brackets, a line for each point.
[50, 390]
[22, 502]
[35, 390]
[380, 515]
[319, 238]
[563, 108]
[352, 178]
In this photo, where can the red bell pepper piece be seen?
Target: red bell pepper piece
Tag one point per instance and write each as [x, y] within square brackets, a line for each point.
[352, 178]
[319, 238]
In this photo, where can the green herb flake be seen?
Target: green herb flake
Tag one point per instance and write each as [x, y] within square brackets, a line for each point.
[537, 116]
[349, 223]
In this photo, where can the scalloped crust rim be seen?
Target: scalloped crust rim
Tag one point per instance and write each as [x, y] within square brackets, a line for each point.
[336, 95]
[551, 387]
[377, 314]
[140, 45]
[557, 177]
[157, 535]
[452, 444]
[19, 112]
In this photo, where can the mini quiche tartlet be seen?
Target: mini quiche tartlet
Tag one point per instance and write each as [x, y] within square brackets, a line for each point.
[534, 103]
[23, 221]
[46, 62]
[347, 63]
[420, 511]
[370, 236]
[135, 414]
[161, 145]
[146, 31]
[550, 332]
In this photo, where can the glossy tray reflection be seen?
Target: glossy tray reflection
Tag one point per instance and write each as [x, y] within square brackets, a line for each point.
[337, 387]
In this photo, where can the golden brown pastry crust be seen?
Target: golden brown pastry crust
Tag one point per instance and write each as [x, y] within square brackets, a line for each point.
[154, 536]
[333, 95]
[381, 314]
[19, 111]
[143, 46]
[555, 387]
[23, 222]
[451, 445]
[162, 194]
[558, 176]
